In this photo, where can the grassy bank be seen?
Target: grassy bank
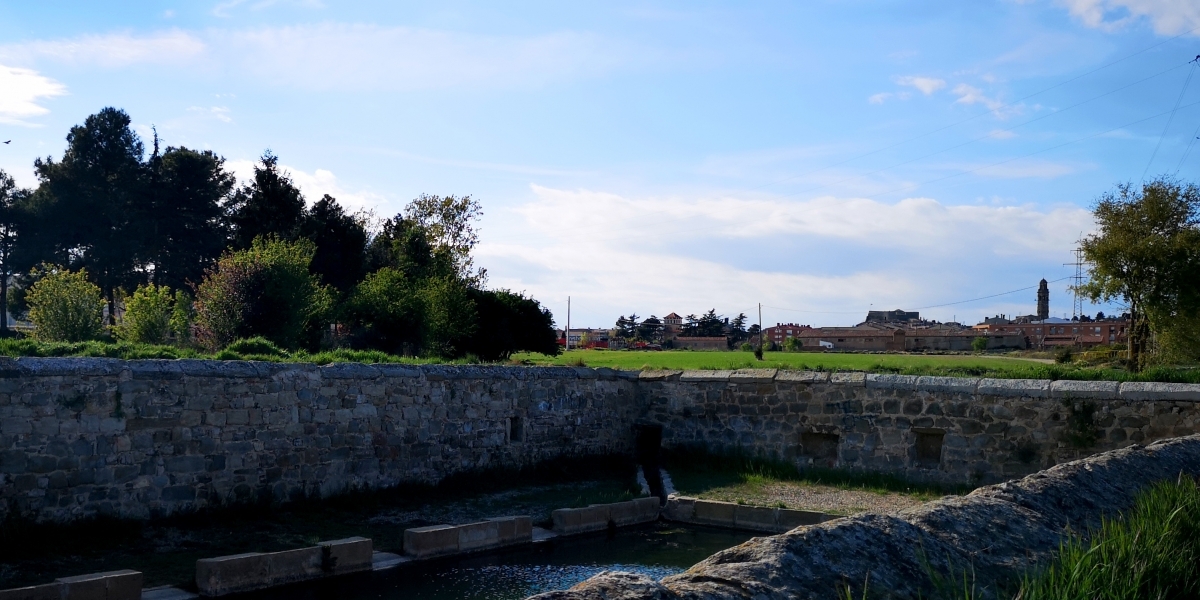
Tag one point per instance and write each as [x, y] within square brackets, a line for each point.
[764, 482]
[949, 365]
[166, 550]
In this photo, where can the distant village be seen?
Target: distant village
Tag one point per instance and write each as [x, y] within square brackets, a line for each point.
[882, 331]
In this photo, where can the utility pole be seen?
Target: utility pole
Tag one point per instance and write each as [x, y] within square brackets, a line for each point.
[567, 333]
[760, 332]
[1077, 305]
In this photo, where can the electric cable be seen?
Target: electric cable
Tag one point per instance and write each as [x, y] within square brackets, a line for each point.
[1183, 91]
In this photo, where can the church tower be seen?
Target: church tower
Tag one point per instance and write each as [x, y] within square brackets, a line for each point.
[1043, 309]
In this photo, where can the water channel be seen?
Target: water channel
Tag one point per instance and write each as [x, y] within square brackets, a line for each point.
[656, 550]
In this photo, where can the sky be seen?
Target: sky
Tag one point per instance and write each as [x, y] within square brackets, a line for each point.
[819, 158]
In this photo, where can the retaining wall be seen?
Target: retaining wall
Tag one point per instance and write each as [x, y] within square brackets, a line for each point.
[81, 437]
[959, 430]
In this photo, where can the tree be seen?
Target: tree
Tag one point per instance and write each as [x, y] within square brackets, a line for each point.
[979, 344]
[407, 246]
[1147, 254]
[65, 306]
[12, 207]
[386, 313]
[450, 224]
[450, 317]
[184, 227]
[341, 242]
[626, 328]
[650, 330]
[148, 315]
[271, 205]
[87, 206]
[265, 290]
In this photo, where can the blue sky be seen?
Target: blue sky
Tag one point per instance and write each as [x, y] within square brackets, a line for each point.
[822, 158]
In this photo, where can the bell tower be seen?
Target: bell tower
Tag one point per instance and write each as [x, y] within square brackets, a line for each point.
[1043, 299]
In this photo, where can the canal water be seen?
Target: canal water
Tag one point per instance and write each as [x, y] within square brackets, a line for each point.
[657, 550]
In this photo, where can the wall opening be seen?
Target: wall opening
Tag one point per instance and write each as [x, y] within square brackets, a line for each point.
[822, 448]
[516, 430]
[929, 448]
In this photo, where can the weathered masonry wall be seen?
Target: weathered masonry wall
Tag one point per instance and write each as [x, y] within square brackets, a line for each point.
[934, 428]
[81, 437]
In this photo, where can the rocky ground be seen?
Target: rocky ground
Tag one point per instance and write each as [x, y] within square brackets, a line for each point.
[816, 497]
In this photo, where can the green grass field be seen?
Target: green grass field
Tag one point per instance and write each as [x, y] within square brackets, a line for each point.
[950, 365]
[683, 359]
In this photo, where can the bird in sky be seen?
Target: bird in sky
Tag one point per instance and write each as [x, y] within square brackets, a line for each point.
[6, 141]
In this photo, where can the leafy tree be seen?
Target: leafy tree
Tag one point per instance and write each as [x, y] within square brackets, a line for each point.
[793, 344]
[979, 344]
[148, 315]
[450, 317]
[386, 312]
[65, 306]
[626, 328]
[265, 290]
[450, 225]
[12, 209]
[183, 314]
[650, 330]
[706, 325]
[1147, 254]
[87, 205]
[405, 245]
[341, 242]
[184, 226]
[271, 205]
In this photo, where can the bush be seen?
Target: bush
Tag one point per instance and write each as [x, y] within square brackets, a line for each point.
[793, 344]
[979, 344]
[147, 315]
[265, 290]
[746, 347]
[449, 316]
[183, 313]
[386, 312]
[64, 305]
[257, 346]
[1063, 355]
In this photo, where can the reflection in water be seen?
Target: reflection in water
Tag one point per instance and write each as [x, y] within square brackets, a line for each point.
[656, 551]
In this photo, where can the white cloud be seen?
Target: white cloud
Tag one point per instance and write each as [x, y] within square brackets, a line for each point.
[316, 184]
[1002, 134]
[880, 97]
[927, 85]
[968, 94]
[1168, 17]
[351, 57]
[223, 9]
[112, 50]
[220, 113]
[20, 93]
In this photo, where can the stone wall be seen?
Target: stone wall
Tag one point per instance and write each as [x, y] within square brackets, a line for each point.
[82, 437]
[959, 430]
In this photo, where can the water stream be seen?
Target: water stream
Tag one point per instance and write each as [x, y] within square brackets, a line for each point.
[657, 550]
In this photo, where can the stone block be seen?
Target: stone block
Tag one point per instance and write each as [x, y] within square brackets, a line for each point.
[647, 509]
[715, 513]
[953, 385]
[758, 518]
[513, 530]
[48, 591]
[1014, 388]
[891, 382]
[659, 375]
[1097, 390]
[623, 513]
[288, 566]
[1139, 390]
[423, 542]
[790, 519]
[753, 376]
[700, 376]
[802, 377]
[348, 371]
[680, 508]
[350, 554]
[393, 370]
[565, 520]
[474, 536]
[851, 379]
[231, 574]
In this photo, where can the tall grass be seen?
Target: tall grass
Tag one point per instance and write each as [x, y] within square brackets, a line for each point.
[1153, 552]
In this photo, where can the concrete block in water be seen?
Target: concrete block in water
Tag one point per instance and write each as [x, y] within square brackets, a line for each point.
[474, 536]
[758, 518]
[48, 591]
[257, 570]
[647, 509]
[514, 529]
[434, 540]
[680, 508]
[790, 519]
[715, 513]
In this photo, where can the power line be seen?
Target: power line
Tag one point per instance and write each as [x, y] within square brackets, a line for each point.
[1187, 81]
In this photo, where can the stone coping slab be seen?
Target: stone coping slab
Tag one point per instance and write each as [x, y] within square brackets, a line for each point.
[1098, 390]
[891, 382]
[1142, 390]
[598, 517]
[753, 376]
[442, 540]
[850, 378]
[803, 376]
[702, 375]
[1017, 388]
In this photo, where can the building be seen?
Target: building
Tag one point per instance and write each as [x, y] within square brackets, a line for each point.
[892, 316]
[1043, 301]
[875, 338]
[781, 332]
[1042, 331]
[702, 343]
[584, 337]
[672, 326]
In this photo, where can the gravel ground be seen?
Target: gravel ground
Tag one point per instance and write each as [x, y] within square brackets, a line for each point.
[821, 498]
